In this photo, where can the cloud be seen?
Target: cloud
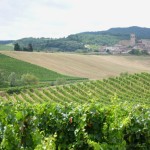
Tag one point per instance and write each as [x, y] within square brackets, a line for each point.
[58, 18]
[63, 4]
[16, 9]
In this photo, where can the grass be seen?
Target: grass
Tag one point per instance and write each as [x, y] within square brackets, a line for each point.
[85, 66]
[6, 47]
[8, 65]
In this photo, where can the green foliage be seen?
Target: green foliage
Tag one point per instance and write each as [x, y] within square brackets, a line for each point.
[12, 79]
[93, 39]
[62, 44]
[78, 41]
[17, 47]
[132, 88]
[28, 79]
[60, 81]
[141, 33]
[124, 74]
[74, 127]
[71, 43]
[47, 144]
[138, 52]
[2, 77]
[16, 90]
[30, 48]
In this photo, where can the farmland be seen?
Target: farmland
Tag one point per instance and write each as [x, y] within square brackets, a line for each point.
[130, 88]
[8, 65]
[86, 66]
[104, 114]
[110, 113]
[6, 47]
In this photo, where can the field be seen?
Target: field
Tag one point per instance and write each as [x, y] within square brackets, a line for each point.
[86, 66]
[6, 47]
[108, 114]
[105, 114]
[8, 65]
[130, 88]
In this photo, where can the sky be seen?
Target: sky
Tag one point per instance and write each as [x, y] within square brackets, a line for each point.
[60, 18]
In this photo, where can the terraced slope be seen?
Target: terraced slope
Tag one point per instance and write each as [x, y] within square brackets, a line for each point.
[131, 88]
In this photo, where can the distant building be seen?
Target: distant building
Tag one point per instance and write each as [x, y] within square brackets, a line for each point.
[132, 39]
[125, 46]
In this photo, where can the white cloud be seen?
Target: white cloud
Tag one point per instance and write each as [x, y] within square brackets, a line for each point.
[58, 18]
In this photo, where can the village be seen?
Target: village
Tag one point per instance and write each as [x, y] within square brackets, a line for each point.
[125, 46]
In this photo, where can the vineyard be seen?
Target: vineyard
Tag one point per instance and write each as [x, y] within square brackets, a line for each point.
[118, 126]
[131, 88]
[108, 114]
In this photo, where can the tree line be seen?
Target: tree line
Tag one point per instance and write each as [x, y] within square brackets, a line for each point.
[29, 48]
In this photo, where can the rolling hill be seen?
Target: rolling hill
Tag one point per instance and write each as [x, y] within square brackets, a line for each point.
[105, 114]
[124, 88]
[78, 41]
[86, 66]
[9, 65]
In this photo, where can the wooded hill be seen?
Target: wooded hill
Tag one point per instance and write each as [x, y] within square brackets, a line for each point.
[79, 41]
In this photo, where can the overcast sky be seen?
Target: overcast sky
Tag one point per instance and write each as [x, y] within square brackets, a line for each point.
[59, 18]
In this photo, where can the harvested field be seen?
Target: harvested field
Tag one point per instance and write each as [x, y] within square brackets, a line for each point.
[89, 66]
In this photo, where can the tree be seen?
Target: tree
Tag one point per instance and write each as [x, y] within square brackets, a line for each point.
[12, 79]
[28, 79]
[2, 78]
[30, 48]
[145, 52]
[25, 49]
[17, 47]
[135, 52]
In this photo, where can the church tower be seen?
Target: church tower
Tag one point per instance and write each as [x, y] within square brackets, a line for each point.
[132, 39]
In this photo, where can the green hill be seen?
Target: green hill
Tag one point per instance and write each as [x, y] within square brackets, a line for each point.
[78, 41]
[130, 88]
[111, 114]
[141, 33]
[8, 65]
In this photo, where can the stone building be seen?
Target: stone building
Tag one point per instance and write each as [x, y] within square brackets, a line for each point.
[132, 39]
[126, 46]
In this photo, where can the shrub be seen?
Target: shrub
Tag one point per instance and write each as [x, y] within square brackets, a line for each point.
[14, 90]
[2, 77]
[60, 81]
[12, 79]
[28, 79]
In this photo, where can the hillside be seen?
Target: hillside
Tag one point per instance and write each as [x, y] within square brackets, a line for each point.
[86, 66]
[9, 65]
[112, 113]
[87, 115]
[141, 33]
[78, 42]
[124, 88]
[123, 33]
[6, 41]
